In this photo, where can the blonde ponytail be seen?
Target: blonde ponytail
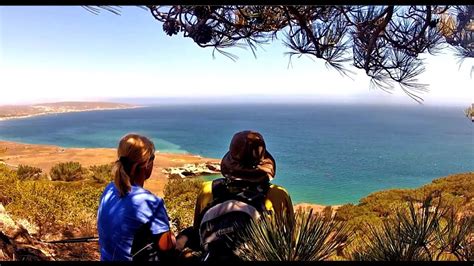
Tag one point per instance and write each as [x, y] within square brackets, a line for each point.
[133, 150]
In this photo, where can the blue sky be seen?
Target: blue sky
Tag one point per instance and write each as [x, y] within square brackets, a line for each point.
[66, 53]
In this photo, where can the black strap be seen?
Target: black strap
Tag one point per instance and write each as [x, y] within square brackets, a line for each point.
[144, 245]
[219, 189]
[74, 240]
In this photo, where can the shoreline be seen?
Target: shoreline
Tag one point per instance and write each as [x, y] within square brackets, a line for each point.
[45, 156]
[67, 111]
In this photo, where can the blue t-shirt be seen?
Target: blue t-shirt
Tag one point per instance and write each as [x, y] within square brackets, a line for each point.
[119, 218]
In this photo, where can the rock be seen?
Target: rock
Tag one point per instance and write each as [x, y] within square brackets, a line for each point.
[6, 222]
[16, 243]
[213, 167]
[31, 253]
[174, 173]
[192, 170]
[188, 173]
[31, 228]
[7, 250]
[176, 176]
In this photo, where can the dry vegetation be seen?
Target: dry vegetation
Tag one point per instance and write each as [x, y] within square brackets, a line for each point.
[180, 199]
[433, 222]
[438, 229]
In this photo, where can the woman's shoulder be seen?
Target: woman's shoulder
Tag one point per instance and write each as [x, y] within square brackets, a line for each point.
[109, 189]
[140, 195]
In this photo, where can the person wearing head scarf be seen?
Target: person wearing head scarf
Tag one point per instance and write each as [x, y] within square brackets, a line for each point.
[248, 161]
[247, 169]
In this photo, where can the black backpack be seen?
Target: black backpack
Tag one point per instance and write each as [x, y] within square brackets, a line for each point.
[235, 204]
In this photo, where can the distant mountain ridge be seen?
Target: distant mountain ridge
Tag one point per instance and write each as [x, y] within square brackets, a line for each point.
[21, 111]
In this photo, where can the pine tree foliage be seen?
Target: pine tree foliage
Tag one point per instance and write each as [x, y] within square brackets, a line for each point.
[384, 41]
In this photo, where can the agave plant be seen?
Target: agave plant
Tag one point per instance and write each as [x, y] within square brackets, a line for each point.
[305, 237]
[431, 231]
[456, 237]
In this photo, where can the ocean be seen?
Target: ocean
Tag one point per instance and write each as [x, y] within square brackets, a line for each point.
[325, 154]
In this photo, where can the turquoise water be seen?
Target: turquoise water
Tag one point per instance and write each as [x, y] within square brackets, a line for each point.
[327, 154]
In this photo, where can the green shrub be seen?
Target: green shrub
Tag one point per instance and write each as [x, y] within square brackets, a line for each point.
[309, 237]
[53, 206]
[422, 231]
[69, 171]
[180, 198]
[7, 179]
[456, 190]
[386, 224]
[101, 173]
[25, 172]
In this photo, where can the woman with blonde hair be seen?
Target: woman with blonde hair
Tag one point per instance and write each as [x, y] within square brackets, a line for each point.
[132, 222]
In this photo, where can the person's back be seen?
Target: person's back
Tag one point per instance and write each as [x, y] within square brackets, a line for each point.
[277, 201]
[120, 218]
[132, 222]
[224, 206]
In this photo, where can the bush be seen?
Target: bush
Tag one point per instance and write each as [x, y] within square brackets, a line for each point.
[310, 237]
[7, 179]
[422, 231]
[456, 190]
[25, 172]
[390, 224]
[101, 173]
[180, 198]
[69, 171]
[53, 206]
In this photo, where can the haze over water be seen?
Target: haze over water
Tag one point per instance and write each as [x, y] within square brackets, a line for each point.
[325, 154]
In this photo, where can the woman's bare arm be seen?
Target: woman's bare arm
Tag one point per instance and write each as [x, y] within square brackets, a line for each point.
[166, 241]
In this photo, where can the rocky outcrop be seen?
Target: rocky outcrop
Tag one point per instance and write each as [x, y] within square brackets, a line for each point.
[17, 243]
[193, 170]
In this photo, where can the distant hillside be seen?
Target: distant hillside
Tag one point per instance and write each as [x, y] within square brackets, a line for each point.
[18, 111]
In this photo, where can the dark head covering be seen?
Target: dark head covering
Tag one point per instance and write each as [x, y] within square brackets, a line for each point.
[248, 159]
